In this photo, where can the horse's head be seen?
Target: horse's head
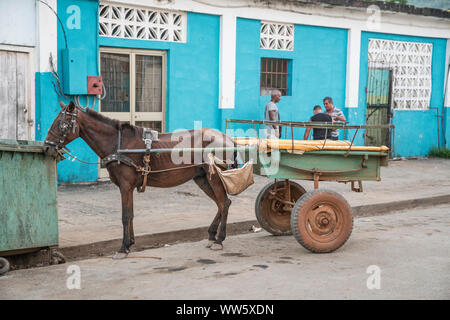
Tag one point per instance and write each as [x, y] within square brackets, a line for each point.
[63, 130]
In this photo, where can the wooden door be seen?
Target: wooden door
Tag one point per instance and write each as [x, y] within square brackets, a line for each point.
[16, 119]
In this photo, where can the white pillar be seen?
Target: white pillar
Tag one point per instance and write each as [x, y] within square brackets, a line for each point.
[353, 60]
[447, 76]
[47, 30]
[227, 61]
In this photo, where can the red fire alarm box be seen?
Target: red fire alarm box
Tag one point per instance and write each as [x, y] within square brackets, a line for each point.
[94, 85]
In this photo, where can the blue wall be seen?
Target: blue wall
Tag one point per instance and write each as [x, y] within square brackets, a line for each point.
[318, 66]
[47, 100]
[192, 72]
[415, 131]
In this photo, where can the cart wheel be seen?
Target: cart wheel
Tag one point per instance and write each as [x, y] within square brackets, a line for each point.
[322, 221]
[4, 266]
[272, 214]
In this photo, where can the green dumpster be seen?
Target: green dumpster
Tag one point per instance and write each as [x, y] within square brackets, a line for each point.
[28, 207]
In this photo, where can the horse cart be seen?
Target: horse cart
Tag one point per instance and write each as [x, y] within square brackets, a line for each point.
[320, 220]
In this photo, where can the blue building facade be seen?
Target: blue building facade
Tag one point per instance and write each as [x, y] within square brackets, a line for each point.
[321, 61]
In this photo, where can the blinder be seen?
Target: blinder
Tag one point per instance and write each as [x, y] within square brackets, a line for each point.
[64, 126]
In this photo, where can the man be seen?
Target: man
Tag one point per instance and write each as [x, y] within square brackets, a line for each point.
[271, 114]
[318, 133]
[335, 113]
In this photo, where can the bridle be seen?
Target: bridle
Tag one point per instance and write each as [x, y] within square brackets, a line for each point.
[65, 126]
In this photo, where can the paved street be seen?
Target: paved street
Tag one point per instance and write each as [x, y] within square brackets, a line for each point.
[409, 248]
[92, 213]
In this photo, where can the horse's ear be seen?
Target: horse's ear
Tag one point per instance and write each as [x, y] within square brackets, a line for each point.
[62, 105]
[71, 106]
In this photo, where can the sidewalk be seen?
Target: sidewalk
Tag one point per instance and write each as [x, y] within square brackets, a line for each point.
[90, 215]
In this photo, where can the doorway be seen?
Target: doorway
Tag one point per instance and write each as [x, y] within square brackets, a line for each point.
[378, 105]
[16, 93]
[135, 84]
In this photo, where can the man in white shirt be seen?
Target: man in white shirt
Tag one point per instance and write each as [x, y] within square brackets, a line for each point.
[335, 113]
[271, 114]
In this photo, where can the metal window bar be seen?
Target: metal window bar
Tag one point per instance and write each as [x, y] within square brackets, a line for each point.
[274, 75]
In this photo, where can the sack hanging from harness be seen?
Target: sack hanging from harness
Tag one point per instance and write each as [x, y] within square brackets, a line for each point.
[235, 181]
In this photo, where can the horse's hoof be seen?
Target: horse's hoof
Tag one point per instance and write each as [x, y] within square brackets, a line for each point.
[216, 246]
[210, 243]
[120, 255]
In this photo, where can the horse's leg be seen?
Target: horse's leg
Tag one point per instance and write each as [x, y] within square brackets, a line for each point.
[127, 222]
[223, 203]
[202, 182]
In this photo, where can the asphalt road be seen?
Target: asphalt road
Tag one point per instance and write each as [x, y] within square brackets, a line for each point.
[404, 255]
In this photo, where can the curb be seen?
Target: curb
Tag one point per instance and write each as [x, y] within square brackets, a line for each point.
[156, 240]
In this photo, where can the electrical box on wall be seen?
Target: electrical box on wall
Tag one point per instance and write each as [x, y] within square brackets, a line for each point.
[74, 67]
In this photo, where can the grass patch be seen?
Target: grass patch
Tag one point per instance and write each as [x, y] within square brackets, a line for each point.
[440, 152]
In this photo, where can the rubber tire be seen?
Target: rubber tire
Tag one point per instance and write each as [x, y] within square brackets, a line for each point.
[4, 266]
[266, 225]
[299, 226]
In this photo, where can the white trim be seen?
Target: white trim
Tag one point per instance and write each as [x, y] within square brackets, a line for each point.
[46, 35]
[227, 61]
[353, 65]
[31, 113]
[447, 76]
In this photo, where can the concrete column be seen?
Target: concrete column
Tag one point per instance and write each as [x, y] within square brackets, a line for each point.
[353, 60]
[227, 61]
[446, 109]
[47, 30]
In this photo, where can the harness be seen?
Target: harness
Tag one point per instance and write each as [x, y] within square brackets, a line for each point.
[64, 127]
[148, 136]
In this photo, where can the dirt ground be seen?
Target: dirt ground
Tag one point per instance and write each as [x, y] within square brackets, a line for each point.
[90, 213]
[402, 256]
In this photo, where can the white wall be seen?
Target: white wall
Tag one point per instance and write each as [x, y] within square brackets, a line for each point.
[17, 22]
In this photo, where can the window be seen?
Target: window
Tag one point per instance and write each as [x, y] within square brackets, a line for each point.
[274, 76]
[277, 36]
[411, 66]
[127, 21]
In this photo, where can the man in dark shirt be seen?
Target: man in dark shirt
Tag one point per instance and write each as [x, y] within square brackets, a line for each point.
[319, 133]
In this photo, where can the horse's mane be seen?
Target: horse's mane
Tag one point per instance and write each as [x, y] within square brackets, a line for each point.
[97, 116]
[112, 122]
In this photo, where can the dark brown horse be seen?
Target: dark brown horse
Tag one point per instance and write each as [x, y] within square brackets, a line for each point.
[101, 134]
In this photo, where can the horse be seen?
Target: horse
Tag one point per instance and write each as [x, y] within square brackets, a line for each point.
[102, 136]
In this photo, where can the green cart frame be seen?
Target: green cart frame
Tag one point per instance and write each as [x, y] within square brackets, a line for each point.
[320, 220]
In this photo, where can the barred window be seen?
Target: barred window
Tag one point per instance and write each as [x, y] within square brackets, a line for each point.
[274, 76]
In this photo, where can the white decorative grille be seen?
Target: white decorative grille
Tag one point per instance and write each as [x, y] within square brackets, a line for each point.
[411, 65]
[277, 36]
[122, 21]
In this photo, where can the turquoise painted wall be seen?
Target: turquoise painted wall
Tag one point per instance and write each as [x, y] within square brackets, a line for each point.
[192, 78]
[192, 72]
[415, 131]
[318, 65]
[47, 100]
